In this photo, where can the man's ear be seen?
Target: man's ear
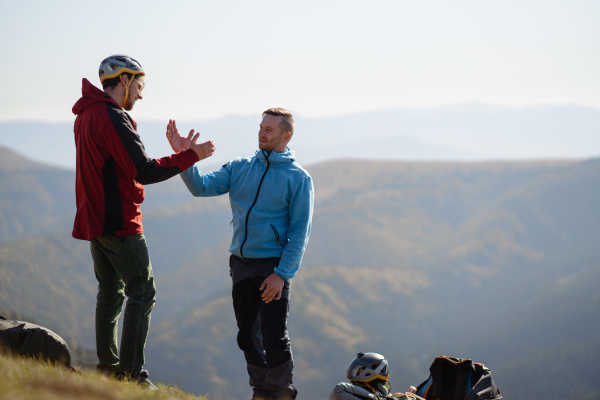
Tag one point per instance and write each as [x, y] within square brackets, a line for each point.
[288, 136]
[124, 79]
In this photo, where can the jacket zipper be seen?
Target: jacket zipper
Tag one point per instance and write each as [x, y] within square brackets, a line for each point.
[252, 206]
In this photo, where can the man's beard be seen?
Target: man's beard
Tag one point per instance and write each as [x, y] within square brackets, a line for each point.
[129, 106]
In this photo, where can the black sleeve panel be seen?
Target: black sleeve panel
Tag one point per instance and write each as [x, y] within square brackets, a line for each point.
[146, 170]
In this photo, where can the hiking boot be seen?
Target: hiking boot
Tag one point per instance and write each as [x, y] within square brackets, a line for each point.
[280, 395]
[142, 380]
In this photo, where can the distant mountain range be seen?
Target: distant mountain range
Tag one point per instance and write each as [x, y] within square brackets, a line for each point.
[495, 261]
[464, 132]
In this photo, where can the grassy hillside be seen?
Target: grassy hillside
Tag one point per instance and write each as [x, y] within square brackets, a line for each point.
[50, 280]
[494, 261]
[27, 379]
[333, 314]
[395, 213]
[409, 316]
[35, 199]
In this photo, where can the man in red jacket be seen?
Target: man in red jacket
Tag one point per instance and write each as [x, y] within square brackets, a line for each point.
[112, 168]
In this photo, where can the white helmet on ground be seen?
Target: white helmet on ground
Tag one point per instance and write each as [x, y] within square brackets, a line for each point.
[367, 367]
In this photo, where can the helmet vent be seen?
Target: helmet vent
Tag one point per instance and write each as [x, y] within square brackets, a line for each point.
[113, 66]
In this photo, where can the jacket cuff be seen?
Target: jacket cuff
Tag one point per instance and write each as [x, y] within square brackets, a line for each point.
[194, 156]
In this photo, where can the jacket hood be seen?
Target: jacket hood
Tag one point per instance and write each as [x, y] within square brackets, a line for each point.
[91, 95]
[277, 158]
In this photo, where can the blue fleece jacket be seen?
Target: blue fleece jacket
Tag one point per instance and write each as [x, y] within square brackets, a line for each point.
[271, 198]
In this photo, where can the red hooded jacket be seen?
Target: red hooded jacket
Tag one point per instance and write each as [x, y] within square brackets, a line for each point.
[112, 167]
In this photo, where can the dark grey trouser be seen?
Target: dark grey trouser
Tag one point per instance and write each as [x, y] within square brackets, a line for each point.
[263, 334]
[122, 267]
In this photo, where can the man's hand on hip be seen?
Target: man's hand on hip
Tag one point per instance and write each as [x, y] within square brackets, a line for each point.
[273, 286]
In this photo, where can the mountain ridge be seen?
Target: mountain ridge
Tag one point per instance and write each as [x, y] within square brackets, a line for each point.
[467, 132]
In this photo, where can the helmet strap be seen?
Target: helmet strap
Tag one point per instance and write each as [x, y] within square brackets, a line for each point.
[127, 91]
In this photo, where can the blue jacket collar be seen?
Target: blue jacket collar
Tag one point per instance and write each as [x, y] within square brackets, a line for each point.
[277, 158]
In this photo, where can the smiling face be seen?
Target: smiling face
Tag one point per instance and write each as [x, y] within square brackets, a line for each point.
[271, 137]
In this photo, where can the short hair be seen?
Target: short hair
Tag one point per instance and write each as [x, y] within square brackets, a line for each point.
[112, 82]
[287, 121]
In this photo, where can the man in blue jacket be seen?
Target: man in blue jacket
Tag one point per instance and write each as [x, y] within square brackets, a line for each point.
[271, 198]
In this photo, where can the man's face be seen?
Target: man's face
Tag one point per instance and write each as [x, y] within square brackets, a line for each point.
[270, 136]
[135, 92]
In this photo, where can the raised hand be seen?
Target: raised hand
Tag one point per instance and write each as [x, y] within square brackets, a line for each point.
[178, 142]
[203, 150]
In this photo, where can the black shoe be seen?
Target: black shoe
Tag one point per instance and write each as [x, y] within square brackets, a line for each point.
[142, 380]
[286, 395]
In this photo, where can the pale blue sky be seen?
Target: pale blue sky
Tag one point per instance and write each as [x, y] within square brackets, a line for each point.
[206, 59]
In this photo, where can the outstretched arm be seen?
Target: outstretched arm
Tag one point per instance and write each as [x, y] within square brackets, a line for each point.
[128, 151]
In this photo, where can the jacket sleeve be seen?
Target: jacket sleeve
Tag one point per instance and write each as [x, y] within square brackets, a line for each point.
[132, 156]
[301, 211]
[205, 185]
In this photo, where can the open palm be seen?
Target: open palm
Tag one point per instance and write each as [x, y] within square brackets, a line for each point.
[178, 142]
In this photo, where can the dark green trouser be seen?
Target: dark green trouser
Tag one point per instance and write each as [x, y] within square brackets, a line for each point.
[122, 267]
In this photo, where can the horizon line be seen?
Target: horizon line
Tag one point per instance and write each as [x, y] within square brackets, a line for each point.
[474, 103]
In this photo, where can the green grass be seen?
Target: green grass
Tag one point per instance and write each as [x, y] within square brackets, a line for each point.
[26, 379]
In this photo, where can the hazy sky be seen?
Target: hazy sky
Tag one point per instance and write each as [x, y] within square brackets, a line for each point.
[206, 59]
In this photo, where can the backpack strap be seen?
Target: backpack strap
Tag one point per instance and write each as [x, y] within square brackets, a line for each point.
[469, 385]
[424, 387]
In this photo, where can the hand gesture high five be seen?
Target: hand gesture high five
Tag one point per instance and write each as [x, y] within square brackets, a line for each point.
[179, 143]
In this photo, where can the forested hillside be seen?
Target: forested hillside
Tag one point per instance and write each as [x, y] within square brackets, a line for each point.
[34, 198]
[494, 261]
